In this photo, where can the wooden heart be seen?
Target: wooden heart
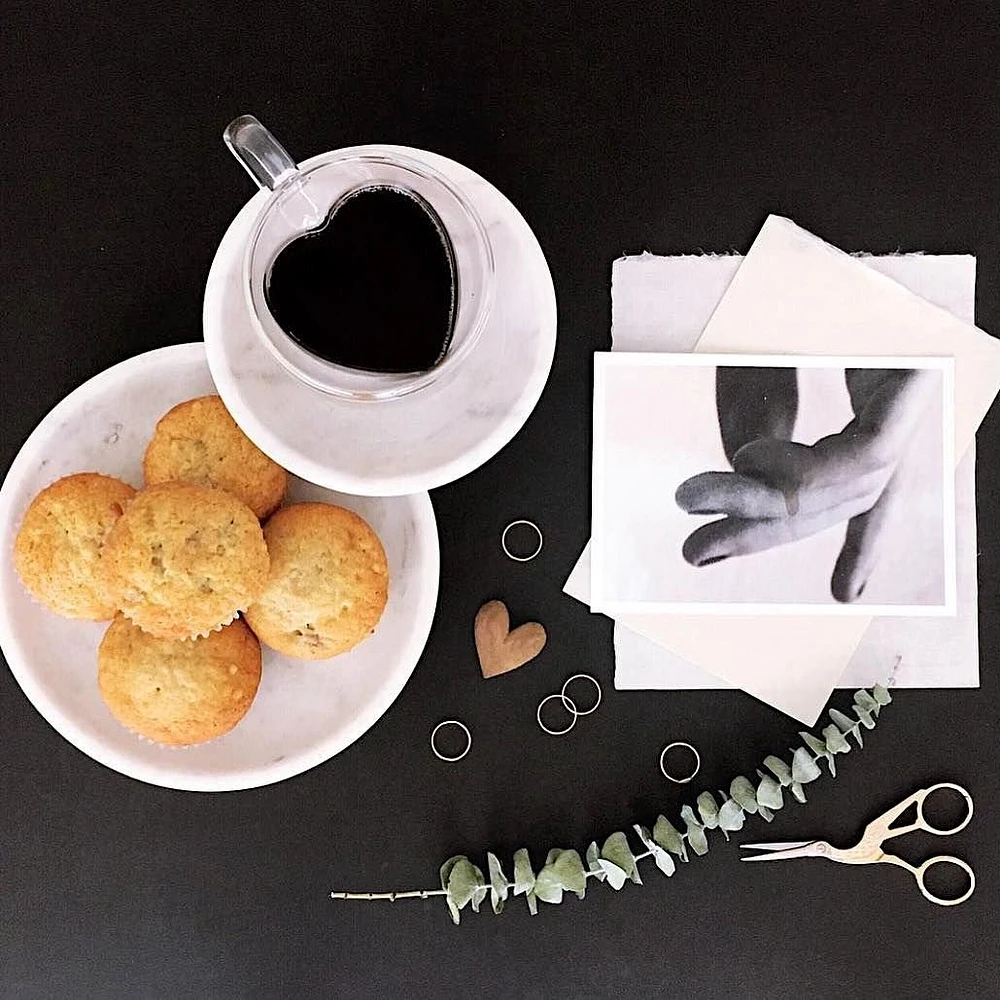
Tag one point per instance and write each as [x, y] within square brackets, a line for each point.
[499, 649]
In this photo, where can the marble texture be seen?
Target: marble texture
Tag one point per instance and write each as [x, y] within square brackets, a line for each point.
[417, 442]
[304, 712]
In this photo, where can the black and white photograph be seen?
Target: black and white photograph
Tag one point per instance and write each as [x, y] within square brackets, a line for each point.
[759, 485]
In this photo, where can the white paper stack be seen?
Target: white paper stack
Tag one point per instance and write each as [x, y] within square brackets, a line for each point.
[855, 306]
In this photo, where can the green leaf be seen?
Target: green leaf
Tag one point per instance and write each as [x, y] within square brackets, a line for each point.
[769, 793]
[524, 877]
[594, 862]
[532, 902]
[765, 814]
[569, 869]
[695, 832]
[661, 858]
[864, 717]
[881, 695]
[797, 791]
[669, 838]
[844, 724]
[478, 896]
[866, 701]
[731, 816]
[744, 793]
[465, 885]
[817, 746]
[616, 876]
[617, 851]
[499, 885]
[835, 741]
[804, 767]
[548, 888]
[779, 769]
[708, 809]
[447, 867]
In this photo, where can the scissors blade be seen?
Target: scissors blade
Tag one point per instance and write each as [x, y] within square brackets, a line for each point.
[775, 845]
[782, 852]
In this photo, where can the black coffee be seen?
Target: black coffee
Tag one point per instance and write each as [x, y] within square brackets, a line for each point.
[373, 288]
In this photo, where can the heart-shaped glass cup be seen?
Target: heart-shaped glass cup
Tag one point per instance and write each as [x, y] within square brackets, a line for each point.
[303, 198]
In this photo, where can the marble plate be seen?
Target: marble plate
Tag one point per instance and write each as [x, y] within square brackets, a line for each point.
[425, 439]
[305, 712]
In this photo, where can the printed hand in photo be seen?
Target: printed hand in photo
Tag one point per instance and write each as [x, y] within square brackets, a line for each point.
[780, 491]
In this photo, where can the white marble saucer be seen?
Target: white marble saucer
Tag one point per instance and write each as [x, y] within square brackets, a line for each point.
[422, 440]
[304, 712]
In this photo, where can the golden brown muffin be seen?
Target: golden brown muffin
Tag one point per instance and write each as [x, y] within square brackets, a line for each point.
[199, 442]
[328, 583]
[177, 692]
[184, 559]
[59, 546]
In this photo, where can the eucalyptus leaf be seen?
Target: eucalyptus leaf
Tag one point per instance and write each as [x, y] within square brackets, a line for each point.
[731, 817]
[779, 769]
[797, 791]
[478, 896]
[695, 831]
[524, 877]
[532, 902]
[744, 793]
[464, 882]
[594, 862]
[835, 741]
[765, 814]
[447, 867]
[548, 888]
[864, 717]
[669, 837]
[661, 858]
[866, 701]
[569, 869]
[616, 876]
[708, 809]
[804, 767]
[645, 836]
[881, 695]
[617, 851]
[499, 885]
[817, 746]
[844, 724]
[769, 793]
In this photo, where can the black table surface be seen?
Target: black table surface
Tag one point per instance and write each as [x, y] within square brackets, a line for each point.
[672, 128]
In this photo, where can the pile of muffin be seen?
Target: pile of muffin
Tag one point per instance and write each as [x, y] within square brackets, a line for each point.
[191, 580]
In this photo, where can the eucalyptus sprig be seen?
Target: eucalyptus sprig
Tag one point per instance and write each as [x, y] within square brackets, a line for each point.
[464, 884]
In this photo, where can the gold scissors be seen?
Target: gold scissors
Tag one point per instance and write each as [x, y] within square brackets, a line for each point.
[869, 849]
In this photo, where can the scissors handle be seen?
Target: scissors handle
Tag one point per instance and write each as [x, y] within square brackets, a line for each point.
[882, 829]
[921, 870]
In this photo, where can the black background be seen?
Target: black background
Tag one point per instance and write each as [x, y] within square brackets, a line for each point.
[674, 128]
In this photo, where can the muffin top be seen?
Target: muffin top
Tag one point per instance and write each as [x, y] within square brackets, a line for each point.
[184, 559]
[328, 583]
[59, 547]
[176, 692]
[199, 442]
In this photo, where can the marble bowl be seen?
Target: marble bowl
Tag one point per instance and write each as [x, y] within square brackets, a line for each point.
[304, 712]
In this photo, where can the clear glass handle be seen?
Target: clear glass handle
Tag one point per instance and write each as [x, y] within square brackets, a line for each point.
[263, 157]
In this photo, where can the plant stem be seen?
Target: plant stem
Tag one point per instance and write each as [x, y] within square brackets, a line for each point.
[391, 896]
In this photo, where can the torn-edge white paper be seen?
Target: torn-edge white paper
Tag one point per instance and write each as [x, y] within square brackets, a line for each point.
[663, 304]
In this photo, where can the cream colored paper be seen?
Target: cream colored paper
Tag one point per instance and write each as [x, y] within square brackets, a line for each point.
[794, 663]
